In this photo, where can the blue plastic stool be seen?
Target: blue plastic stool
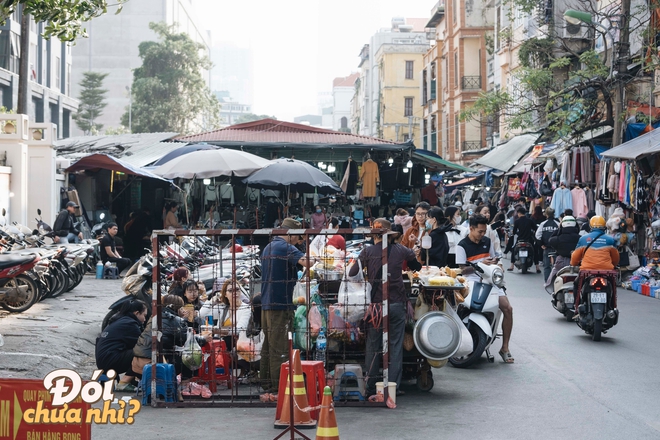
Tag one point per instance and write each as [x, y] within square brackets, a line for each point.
[110, 273]
[165, 383]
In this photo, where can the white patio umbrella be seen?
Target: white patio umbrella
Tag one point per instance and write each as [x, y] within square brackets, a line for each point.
[211, 163]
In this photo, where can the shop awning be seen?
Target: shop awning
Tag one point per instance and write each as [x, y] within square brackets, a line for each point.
[463, 182]
[504, 156]
[105, 162]
[647, 143]
[435, 162]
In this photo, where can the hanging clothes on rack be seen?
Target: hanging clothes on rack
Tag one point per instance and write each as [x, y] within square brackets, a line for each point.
[369, 177]
[579, 202]
[350, 178]
[562, 199]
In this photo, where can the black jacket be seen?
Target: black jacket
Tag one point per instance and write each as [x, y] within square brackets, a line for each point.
[65, 224]
[174, 331]
[439, 247]
[525, 228]
[548, 229]
[118, 337]
[564, 241]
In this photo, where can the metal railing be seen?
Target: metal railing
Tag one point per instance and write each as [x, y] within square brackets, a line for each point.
[471, 82]
[473, 145]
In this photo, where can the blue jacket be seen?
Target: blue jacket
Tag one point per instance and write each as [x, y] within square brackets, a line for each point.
[601, 255]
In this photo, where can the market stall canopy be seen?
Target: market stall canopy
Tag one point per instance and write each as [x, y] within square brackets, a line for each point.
[648, 143]
[105, 162]
[462, 182]
[182, 151]
[503, 157]
[528, 161]
[212, 163]
[437, 163]
[293, 174]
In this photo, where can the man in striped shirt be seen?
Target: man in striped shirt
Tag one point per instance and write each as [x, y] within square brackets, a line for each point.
[477, 248]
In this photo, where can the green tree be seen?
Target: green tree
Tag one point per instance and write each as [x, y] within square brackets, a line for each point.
[92, 102]
[169, 92]
[63, 18]
[249, 117]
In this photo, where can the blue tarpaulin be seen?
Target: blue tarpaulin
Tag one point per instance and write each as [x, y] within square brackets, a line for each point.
[636, 129]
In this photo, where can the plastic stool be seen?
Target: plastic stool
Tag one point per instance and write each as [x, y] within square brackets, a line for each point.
[312, 370]
[349, 382]
[110, 273]
[211, 373]
[166, 383]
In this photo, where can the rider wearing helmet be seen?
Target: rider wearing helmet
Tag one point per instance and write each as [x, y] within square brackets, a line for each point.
[596, 250]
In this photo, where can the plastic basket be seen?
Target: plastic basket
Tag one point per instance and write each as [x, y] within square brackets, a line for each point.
[646, 289]
[635, 285]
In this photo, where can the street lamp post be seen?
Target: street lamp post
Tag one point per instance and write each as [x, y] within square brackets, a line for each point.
[130, 109]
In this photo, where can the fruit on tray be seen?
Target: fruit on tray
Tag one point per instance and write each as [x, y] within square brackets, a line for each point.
[442, 281]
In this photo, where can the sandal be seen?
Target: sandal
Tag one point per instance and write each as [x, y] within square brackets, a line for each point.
[506, 357]
[125, 387]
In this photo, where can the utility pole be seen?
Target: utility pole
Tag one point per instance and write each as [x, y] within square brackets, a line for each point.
[24, 64]
[621, 71]
[410, 122]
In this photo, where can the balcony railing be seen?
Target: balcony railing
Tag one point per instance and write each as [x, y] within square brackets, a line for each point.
[471, 83]
[432, 89]
[473, 145]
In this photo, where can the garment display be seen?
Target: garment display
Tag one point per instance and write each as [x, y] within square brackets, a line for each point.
[561, 200]
[227, 193]
[210, 193]
[580, 207]
[369, 177]
[350, 177]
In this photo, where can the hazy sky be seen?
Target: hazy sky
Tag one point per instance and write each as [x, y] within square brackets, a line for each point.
[300, 46]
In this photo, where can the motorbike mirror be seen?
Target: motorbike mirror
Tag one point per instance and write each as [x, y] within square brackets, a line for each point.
[4, 212]
[38, 211]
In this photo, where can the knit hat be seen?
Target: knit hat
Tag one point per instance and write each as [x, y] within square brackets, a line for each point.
[337, 242]
[568, 222]
[289, 223]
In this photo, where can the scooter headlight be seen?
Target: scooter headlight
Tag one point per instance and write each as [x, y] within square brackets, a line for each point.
[498, 277]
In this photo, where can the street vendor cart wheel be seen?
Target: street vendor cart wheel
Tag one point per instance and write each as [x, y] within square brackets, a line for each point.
[425, 381]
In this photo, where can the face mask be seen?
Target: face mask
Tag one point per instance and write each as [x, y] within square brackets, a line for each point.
[457, 219]
[429, 225]
[318, 211]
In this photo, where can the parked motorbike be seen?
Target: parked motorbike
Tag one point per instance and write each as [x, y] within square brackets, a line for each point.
[136, 285]
[524, 253]
[563, 295]
[480, 312]
[596, 310]
[18, 291]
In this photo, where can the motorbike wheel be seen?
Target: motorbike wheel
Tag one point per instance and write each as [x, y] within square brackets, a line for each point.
[78, 275]
[598, 329]
[524, 268]
[480, 340]
[62, 283]
[33, 294]
[569, 314]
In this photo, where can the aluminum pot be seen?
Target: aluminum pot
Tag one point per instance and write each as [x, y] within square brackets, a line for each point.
[330, 275]
[437, 335]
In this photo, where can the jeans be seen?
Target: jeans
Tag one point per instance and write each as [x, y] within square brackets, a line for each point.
[546, 263]
[70, 238]
[397, 326]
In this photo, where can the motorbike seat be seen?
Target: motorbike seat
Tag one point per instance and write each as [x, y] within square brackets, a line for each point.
[9, 260]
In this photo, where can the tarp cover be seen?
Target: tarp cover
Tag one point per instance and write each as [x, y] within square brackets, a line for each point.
[436, 162]
[105, 162]
[647, 143]
[504, 156]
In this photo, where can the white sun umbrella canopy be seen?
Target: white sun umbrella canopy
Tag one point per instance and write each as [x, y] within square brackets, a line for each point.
[211, 163]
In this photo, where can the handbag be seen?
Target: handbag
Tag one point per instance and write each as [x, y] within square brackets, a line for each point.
[546, 187]
[628, 259]
[354, 296]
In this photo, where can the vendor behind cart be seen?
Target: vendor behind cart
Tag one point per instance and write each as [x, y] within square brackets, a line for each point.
[371, 259]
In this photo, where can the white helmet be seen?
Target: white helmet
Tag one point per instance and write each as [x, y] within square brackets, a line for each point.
[568, 222]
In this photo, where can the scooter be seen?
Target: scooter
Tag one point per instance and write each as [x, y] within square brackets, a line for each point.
[597, 308]
[563, 295]
[18, 291]
[480, 312]
[524, 253]
[136, 285]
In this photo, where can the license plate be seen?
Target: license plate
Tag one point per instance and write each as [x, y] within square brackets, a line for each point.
[598, 297]
[523, 254]
[569, 298]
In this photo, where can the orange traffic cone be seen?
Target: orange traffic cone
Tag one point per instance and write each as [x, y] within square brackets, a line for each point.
[327, 429]
[301, 419]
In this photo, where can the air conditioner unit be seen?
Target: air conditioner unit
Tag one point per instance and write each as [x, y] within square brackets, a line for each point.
[577, 31]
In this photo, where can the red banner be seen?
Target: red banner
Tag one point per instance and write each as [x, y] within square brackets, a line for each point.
[27, 399]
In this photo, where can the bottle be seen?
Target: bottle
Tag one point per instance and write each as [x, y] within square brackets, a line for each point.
[321, 345]
[99, 270]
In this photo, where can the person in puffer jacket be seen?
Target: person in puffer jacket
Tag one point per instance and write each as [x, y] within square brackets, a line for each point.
[564, 241]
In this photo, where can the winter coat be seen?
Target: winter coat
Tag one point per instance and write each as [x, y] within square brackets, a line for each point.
[117, 337]
[65, 224]
[439, 247]
[414, 229]
[174, 331]
[564, 241]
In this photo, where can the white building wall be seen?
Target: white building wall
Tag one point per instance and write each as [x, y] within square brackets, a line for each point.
[341, 106]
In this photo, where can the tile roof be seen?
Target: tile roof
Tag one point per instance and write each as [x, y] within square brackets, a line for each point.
[346, 81]
[274, 131]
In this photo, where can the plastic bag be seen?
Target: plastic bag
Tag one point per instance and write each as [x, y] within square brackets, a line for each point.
[191, 355]
[300, 327]
[354, 296]
[315, 321]
[249, 348]
[336, 323]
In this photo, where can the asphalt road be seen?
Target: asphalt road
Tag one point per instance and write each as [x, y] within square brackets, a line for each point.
[562, 383]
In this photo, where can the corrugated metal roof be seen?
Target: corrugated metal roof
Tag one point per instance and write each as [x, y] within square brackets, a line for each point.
[138, 149]
[504, 156]
[273, 131]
